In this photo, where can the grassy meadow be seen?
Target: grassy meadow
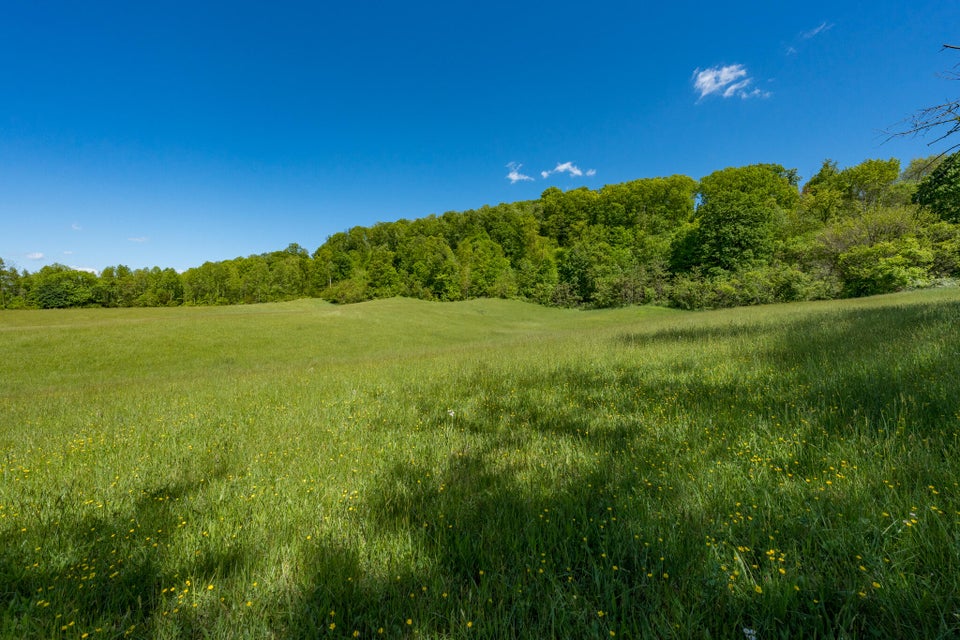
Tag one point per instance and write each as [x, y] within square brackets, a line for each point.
[482, 469]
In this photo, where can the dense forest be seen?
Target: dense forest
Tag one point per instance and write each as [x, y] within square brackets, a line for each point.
[739, 236]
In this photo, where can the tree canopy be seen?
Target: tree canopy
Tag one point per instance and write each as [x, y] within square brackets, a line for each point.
[740, 235]
[940, 190]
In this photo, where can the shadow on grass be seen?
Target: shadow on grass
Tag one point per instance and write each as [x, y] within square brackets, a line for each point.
[626, 531]
[111, 570]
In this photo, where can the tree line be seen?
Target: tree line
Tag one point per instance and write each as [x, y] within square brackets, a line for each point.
[739, 236]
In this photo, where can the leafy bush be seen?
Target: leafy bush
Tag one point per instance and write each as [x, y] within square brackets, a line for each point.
[940, 191]
[885, 267]
[346, 292]
[759, 285]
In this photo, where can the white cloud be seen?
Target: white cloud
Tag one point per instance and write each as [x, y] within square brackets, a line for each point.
[87, 269]
[76, 227]
[794, 48]
[568, 167]
[515, 176]
[727, 81]
[36, 255]
[562, 167]
[140, 239]
[824, 26]
[714, 79]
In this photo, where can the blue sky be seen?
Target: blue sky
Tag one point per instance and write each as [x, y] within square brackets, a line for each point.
[172, 133]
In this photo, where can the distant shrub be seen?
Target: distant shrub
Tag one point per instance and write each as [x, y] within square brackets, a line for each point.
[885, 267]
[346, 292]
[758, 285]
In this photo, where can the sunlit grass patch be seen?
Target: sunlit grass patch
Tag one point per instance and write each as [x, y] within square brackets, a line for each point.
[466, 470]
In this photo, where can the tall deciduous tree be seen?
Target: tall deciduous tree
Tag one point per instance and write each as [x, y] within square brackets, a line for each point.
[739, 210]
[384, 281]
[567, 214]
[431, 268]
[940, 191]
[823, 193]
[57, 286]
[919, 168]
[870, 183]
[9, 285]
[655, 205]
[484, 271]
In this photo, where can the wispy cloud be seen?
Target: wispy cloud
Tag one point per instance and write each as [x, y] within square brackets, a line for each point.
[813, 33]
[140, 239]
[36, 255]
[570, 168]
[801, 38]
[515, 176]
[729, 81]
[76, 227]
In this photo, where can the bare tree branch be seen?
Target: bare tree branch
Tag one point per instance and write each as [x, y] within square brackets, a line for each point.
[932, 118]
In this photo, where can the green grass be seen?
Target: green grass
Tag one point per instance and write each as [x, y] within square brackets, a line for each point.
[486, 469]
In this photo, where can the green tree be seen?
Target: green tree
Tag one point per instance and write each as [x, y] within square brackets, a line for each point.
[382, 276]
[325, 270]
[823, 195]
[919, 168]
[106, 292]
[166, 287]
[58, 286]
[536, 271]
[655, 205]
[943, 239]
[885, 267]
[871, 183]
[430, 268]
[255, 280]
[507, 225]
[9, 286]
[484, 270]
[207, 284]
[739, 212]
[940, 190]
[118, 286]
[832, 193]
[566, 215]
[143, 280]
[288, 275]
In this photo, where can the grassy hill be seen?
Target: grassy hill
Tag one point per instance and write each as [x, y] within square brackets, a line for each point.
[481, 469]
